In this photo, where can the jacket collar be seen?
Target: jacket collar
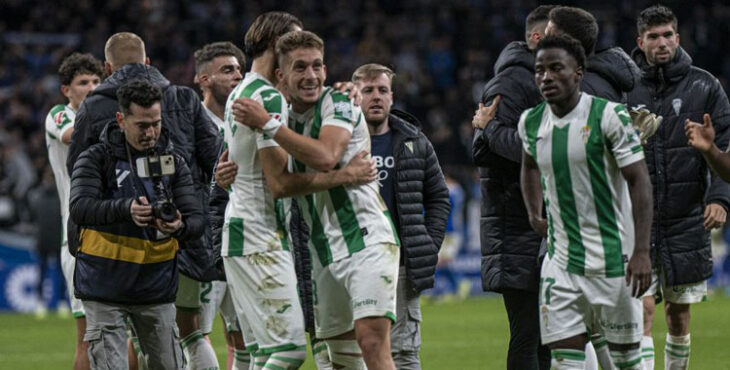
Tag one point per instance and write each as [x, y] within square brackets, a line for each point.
[672, 72]
[404, 124]
[129, 72]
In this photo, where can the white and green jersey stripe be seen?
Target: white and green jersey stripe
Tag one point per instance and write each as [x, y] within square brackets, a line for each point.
[254, 221]
[344, 219]
[59, 120]
[590, 223]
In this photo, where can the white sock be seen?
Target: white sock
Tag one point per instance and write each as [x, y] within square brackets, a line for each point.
[647, 352]
[198, 352]
[676, 352]
[591, 360]
[568, 359]
[241, 359]
[602, 353]
[346, 353]
[287, 359]
[627, 360]
[320, 355]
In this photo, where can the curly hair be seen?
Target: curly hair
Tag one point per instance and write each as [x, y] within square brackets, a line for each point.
[140, 92]
[567, 43]
[578, 24]
[653, 16]
[79, 64]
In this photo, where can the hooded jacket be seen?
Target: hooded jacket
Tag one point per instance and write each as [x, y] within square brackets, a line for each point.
[610, 74]
[118, 261]
[194, 135]
[509, 245]
[683, 183]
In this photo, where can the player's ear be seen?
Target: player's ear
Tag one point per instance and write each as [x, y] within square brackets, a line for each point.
[147, 61]
[65, 90]
[279, 74]
[120, 120]
[108, 68]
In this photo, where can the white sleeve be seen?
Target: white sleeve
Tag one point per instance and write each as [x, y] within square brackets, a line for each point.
[621, 137]
[338, 110]
[58, 123]
[275, 105]
[521, 132]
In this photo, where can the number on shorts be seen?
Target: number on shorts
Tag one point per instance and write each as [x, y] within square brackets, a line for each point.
[550, 282]
[207, 287]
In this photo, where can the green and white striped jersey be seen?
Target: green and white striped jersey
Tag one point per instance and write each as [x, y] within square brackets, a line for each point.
[590, 223]
[344, 219]
[59, 120]
[254, 221]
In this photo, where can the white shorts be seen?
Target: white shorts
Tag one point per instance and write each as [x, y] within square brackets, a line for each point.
[188, 294]
[68, 265]
[264, 290]
[683, 294]
[214, 297]
[570, 304]
[361, 285]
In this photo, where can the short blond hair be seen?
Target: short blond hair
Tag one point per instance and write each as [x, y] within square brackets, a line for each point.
[294, 40]
[124, 48]
[372, 70]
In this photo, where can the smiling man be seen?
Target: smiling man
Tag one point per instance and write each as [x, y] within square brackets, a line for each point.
[689, 199]
[353, 241]
[582, 157]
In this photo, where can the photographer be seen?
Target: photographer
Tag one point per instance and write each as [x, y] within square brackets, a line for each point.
[125, 207]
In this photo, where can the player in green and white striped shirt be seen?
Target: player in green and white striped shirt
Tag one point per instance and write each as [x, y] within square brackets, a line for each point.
[79, 74]
[256, 243]
[352, 240]
[584, 159]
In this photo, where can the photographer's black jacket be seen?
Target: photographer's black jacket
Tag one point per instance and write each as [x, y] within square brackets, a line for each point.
[194, 135]
[118, 261]
[682, 182]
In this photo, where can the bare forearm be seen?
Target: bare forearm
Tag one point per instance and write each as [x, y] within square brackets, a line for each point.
[642, 204]
[297, 184]
[311, 152]
[719, 162]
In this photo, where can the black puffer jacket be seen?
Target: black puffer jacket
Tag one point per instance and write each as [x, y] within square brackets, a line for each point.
[610, 74]
[194, 135]
[683, 183]
[421, 199]
[509, 245]
[103, 186]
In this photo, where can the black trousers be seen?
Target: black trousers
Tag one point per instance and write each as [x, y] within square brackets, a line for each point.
[525, 351]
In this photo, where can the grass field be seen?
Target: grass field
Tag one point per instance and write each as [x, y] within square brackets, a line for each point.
[463, 335]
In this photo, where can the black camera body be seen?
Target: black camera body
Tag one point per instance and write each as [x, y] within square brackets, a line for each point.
[154, 166]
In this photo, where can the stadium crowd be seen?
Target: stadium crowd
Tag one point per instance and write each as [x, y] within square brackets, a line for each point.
[442, 52]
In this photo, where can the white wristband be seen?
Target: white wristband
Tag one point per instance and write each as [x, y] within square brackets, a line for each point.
[271, 127]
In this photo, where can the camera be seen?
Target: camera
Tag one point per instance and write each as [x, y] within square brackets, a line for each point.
[154, 166]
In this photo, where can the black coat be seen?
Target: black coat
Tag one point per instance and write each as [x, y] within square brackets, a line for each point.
[100, 200]
[421, 199]
[683, 183]
[610, 74]
[509, 245]
[194, 135]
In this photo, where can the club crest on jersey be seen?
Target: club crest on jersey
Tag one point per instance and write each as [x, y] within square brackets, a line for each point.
[585, 132]
[677, 105]
[343, 109]
[62, 119]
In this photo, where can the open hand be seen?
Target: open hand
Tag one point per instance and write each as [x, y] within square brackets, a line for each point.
[700, 136]
[225, 172]
[350, 89]
[250, 113]
[638, 273]
[361, 168]
[483, 115]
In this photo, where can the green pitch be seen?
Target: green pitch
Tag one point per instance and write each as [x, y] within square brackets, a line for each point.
[472, 334]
